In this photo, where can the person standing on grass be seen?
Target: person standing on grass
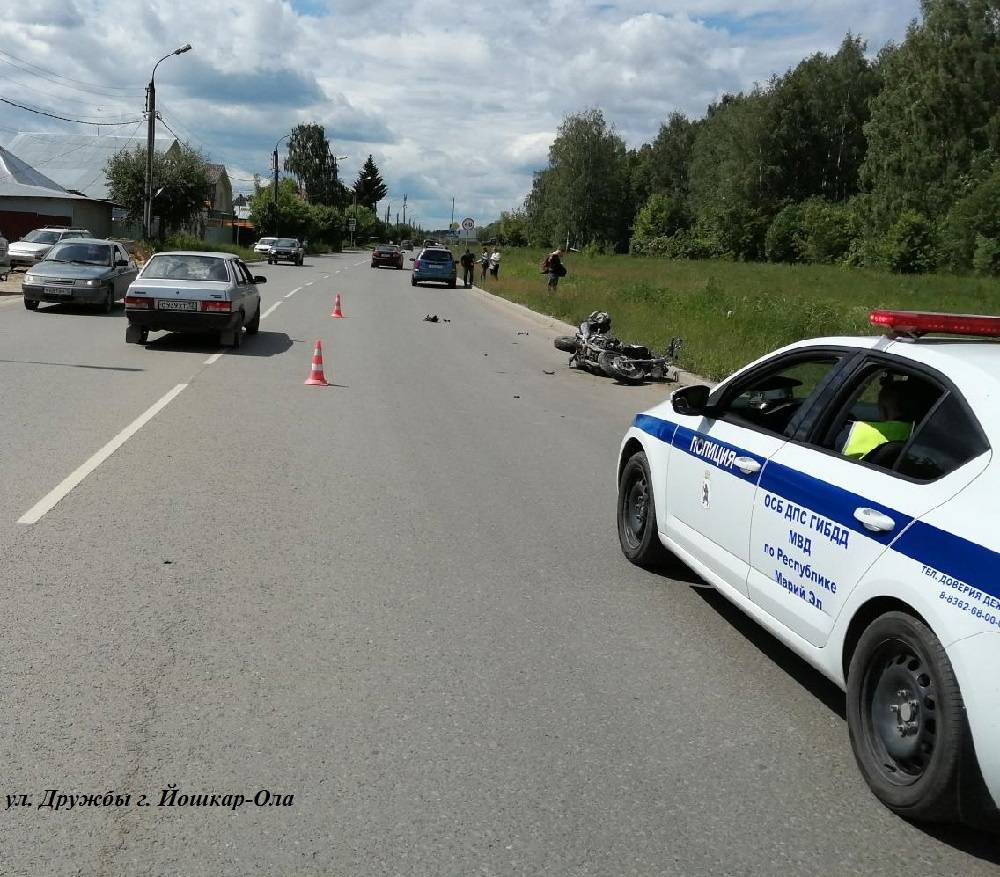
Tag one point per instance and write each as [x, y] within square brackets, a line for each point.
[495, 262]
[468, 261]
[554, 268]
[484, 264]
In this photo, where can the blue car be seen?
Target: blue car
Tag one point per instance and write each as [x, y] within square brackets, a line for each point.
[437, 264]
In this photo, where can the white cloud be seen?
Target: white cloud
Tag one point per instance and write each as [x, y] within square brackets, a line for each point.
[456, 101]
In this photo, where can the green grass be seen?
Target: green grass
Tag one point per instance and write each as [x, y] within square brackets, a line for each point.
[728, 312]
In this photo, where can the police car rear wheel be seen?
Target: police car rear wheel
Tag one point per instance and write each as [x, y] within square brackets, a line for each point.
[907, 718]
[637, 530]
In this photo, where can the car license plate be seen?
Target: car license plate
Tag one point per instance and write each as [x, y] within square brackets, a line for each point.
[59, 290]
[176, 305]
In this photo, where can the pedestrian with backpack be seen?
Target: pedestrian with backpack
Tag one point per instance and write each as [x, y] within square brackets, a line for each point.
[553, 266]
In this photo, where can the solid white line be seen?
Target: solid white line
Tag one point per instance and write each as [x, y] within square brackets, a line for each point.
[297, 289]
[49, 501]
[269, 311]
[310, 283]
[215, 357]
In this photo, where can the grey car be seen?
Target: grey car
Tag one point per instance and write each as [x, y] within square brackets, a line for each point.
[87, 270]
[286, 250]
[35, 245]
[194, 292]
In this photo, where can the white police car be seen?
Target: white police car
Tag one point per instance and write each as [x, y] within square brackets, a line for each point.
[843, 493]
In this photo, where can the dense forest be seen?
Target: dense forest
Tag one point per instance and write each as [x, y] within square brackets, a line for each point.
[890, 162]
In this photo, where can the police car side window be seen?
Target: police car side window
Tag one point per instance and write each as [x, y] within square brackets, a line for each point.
[769, 399]
[947, 439]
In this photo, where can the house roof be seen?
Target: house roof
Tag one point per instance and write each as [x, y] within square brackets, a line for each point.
[76, 162]
[18, 179]
[214, 172]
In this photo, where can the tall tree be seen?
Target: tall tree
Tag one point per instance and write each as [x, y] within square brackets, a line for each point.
[311, 160]
[586, 185]
[369, 186]
[179, 176]
[937, 119]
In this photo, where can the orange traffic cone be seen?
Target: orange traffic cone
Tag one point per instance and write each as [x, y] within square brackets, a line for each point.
[316, 377]
[337, 312]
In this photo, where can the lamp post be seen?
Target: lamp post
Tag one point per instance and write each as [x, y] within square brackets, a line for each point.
[147, 212]
[274, 162]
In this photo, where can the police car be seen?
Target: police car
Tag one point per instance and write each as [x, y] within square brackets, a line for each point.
[843, 493]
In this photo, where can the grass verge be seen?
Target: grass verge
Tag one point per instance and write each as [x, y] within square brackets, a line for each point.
[729, 312]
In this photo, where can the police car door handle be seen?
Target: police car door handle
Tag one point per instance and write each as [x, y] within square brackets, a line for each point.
[874, 520]
[747, 465]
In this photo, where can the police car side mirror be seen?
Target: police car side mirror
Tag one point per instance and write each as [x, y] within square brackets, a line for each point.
[691, 400]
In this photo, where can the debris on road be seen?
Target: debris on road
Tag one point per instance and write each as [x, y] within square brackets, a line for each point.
[546, 371]
[433, 318]
[521, 333]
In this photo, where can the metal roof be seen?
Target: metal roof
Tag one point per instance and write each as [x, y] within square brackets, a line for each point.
[76, 161]
[18, 179]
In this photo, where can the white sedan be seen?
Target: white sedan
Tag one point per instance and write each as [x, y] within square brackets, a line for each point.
[843, 493]
[263, 246]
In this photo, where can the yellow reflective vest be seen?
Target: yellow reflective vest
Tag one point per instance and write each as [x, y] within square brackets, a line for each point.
[867, 435]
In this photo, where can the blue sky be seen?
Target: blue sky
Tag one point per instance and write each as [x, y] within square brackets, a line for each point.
[456, 102]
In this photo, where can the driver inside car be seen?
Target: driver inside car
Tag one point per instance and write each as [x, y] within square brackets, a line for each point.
[894, 405]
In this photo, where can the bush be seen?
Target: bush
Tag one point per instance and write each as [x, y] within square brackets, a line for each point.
[828, 230]
[782, 243]
[971, 217]
[661, 216]
[986, 258]
[911, 244]
[190, 242]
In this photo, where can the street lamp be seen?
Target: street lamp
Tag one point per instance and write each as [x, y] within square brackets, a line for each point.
[274, 160]
[147, 212]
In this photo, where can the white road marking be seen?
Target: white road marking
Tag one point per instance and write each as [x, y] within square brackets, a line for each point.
[215, 357]
[310, 283]
[297, 289]
[269, 311]
[41, 508]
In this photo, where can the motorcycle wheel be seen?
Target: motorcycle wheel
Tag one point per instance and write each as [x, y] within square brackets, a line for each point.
[622, 368]
[565, 343]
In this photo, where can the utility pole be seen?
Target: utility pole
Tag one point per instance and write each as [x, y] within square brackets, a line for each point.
[147, 205]
[404, 210]
[452, 213]
[387, 207]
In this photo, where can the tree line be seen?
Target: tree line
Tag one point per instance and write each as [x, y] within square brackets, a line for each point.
[313, 203]
[890, 162]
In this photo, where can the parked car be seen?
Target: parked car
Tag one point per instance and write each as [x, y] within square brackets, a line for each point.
[842, 493]
[4, 258]
[407, 245]
[387, 254]
[34, 246]
[435, 264]
[286, 250]
[193, 292]
[88, 270]
[263, 246]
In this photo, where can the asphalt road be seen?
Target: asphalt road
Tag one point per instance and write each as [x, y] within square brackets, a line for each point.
[399, 599]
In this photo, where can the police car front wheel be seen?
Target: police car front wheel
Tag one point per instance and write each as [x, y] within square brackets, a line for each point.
[907, 718]
[637, 530]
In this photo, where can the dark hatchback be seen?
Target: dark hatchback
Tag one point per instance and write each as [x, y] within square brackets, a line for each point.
[387, 254]
[86, 270]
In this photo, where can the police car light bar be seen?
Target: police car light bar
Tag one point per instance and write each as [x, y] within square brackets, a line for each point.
[922, 322]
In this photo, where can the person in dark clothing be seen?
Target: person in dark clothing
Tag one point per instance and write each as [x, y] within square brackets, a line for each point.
[554, 268]
[468, 261]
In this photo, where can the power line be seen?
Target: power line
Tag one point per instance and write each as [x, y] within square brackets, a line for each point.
[51, 76]
[99, 123]
[6, 77]
[103, 170]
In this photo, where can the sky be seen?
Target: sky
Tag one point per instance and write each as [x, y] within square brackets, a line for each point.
[452, 101]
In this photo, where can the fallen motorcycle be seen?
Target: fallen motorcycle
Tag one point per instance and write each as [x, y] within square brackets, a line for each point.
[596, 350]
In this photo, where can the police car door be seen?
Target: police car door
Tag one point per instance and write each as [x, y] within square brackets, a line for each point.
[711, 485]
[821, 518]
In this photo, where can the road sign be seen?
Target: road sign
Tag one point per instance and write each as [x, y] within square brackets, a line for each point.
[352, 224]
[468, 223]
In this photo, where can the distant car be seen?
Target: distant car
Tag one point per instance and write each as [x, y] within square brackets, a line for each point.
[4, 258]
[263, 246]
[286, 250]
[88, 270]
[434, 264]
[407, 245]
[193, 292]
[430, 242]
[387, 254]
[34, 246]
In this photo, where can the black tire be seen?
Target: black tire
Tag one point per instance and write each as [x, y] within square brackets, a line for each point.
[566, 343]
[253, 327]
[637, 530]
[31, 304]
[413, 282]
[621, 368]
[452, 284]
[907, 719]
[108, 305]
